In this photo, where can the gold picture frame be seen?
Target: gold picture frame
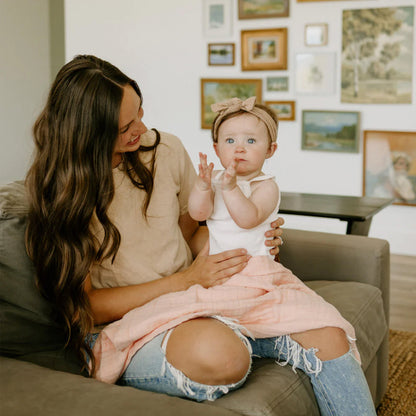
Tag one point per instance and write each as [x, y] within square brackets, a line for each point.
[285, 110]
[256, 9]
[215, 90]
[264, 49]
[310, 1]
[389, 165]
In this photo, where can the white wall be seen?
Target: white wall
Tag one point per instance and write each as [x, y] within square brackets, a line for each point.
[24, 80]
[161, 44]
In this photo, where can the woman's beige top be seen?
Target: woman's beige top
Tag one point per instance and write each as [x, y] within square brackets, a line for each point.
[155, 247]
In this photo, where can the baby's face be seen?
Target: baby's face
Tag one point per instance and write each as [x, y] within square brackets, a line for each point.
[244, 138]
[401, 164]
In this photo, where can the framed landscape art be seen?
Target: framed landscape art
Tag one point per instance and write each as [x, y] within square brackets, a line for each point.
[254, 9]
[389, 165]
[217, 90]
[285, 110]
[377, 55]
[264, 49]
[277, 83]
[333, 131]
[308, 1]
[221, 54]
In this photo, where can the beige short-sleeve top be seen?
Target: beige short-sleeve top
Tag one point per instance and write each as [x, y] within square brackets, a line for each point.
[154, 247]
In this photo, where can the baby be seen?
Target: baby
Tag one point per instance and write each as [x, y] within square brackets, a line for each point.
[239, 202]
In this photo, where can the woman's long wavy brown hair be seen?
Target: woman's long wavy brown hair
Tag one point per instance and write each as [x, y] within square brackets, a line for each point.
[70, 180]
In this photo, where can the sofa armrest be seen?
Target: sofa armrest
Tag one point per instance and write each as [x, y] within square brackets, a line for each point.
[28, 389]
[324, 256]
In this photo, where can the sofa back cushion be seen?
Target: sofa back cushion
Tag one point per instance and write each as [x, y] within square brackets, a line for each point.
[28, 330]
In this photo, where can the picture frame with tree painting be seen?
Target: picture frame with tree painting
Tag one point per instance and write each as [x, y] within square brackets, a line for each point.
[377, 55]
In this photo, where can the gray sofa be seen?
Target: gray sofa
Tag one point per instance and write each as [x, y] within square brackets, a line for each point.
[38, 378]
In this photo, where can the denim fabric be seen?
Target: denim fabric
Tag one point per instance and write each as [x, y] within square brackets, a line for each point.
[339, 385]
[150, 370]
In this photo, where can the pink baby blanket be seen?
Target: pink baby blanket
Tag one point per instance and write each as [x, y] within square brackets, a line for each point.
[266, 299]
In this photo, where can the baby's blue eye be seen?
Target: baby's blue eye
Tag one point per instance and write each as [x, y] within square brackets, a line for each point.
[229, 140]
[251, 141]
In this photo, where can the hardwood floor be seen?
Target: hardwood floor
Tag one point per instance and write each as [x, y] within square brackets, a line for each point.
[403, 292]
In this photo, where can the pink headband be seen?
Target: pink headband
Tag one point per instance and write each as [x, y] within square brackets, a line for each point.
[234, 105]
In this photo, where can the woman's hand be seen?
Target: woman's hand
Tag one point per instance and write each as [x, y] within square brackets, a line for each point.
[211, 270]
[274, 236]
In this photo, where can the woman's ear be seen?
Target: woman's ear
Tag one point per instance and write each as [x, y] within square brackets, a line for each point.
[272, 149]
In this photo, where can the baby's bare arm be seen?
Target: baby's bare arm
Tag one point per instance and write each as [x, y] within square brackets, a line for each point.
[201, 199]
[250, 212]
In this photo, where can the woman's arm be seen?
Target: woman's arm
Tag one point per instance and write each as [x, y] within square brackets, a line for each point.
[110, 304]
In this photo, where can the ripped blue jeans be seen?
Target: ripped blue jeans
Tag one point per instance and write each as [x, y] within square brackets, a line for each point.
[339, 385]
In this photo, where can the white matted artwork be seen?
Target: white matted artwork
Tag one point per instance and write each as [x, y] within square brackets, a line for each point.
[315, 73]
[217, 18]
[316, 34]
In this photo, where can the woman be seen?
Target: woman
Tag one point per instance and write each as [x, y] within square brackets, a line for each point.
[109, 232]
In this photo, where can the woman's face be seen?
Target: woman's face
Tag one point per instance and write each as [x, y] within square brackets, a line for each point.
[130, 124]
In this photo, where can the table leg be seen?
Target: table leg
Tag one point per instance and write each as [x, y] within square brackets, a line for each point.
[359, 227]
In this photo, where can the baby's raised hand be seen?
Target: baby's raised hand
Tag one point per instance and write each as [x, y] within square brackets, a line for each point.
[229, 179]
[205, 173]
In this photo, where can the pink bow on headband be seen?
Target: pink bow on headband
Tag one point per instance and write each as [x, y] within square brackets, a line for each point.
[233, 105]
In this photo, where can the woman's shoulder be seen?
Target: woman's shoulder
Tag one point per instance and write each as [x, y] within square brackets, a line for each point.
[167, 139]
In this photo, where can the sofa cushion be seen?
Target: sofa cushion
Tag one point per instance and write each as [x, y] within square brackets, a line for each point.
[28, 330]
[274, 390]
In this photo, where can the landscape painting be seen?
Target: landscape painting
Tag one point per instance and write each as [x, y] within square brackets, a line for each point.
[334, 131]
[217, 90]
[221, 54]
[377, 55]
[285, 110]
[277, 83]
[254, 9]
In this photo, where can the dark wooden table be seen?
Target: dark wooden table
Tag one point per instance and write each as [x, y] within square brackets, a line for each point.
[356, 210]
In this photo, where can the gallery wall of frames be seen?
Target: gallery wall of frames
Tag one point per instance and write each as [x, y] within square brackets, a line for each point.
[372, 66]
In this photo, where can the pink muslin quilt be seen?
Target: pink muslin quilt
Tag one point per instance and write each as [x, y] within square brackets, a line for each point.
[266, 299]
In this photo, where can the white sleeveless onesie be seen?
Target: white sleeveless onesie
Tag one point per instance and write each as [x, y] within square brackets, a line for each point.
[225, 234]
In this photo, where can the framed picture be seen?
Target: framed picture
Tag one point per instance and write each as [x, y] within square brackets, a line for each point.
[254, 9]
[389, 165]
[315, 73]
[285, 110]
[217, 18]
[334, 131]
[221, 54]
[316, 34]
[217, 90]
[277, 83]
[376, 65]
[264, 49]
[308, 1]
